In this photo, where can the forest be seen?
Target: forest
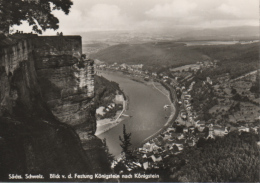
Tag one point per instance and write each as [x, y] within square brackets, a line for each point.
[105, 90]
[236, 59]
[233, 158]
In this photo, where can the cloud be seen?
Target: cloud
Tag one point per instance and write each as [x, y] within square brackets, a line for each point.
[229, 10]
[176, 9]
[97, 17]
[87, 15]
[104, 16]
[104, 12]
[205, 13]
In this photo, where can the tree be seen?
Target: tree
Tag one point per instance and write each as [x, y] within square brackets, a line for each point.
[110, 157]
[125, 143]
[38, 13]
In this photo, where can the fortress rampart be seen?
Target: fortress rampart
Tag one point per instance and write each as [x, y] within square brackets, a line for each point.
[65, 78]
[14, 50]
[46, 100]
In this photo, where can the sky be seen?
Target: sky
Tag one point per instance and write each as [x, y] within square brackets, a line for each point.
[143, 15]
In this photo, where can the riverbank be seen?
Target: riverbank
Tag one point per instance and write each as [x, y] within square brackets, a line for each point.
[106, 124]
[146, 108]
[173, 116]
[109, 123]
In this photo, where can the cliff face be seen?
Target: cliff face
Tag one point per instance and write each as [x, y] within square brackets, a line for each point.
[32, 104]
[66, 81]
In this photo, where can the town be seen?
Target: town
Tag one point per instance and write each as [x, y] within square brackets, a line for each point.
[207, 108]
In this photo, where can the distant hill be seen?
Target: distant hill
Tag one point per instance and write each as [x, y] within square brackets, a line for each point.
[186, 34]
[159, 55]
[226, 33]
[152, 55]
[236, 59]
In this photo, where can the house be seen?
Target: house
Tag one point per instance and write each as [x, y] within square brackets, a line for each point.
[111, 106]
[147, 147]
[220, 131]
[185, 130]
[154, 74]
[144, 156]
[186, 102]
[191, 119]
[137, 164]
[243, 129]
[188, 105]
[181, 136]
[190, 113]
[201, 127]
[171, 129]
[183, 115]
[255, 129]
[124, 66]
[146, 165]
[190, 142]
[119, 99]
[196, 123]
[209, 80]
[156, 159]
[187, 96]
[191, 129]
[175, 149]
[188, 108]
[166, 137]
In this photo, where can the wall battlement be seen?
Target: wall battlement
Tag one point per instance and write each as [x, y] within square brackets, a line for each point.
[40, 107]
[59, 45]
[65, 78]
[49, 51]
[15, 49]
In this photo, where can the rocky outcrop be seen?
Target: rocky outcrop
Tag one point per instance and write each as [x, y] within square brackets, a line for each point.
[33, 137]
[66, 80]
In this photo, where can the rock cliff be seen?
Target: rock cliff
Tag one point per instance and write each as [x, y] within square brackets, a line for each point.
[45, 96]
[66, 80]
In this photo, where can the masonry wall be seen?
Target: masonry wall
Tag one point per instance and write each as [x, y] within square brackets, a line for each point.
[66, 80]
[41, 100]
[14, 50]
[32, 140]
[59, 45]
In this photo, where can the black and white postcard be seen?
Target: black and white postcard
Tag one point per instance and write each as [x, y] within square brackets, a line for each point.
[129, 91]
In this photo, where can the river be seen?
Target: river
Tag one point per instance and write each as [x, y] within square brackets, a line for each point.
[146, 108]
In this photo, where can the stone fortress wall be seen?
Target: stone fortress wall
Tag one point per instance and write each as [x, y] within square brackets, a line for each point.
[14, 50]
[66, 79]
[46, 101]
